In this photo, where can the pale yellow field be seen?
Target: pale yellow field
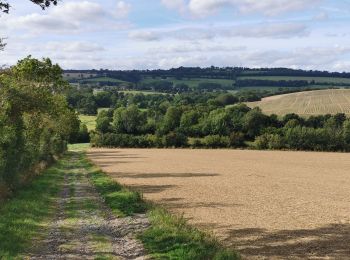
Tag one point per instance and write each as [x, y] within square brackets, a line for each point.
[268, 205]
[307, 103]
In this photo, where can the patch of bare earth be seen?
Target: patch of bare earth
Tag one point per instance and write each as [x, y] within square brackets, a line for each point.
[85, 228]
[268, 205]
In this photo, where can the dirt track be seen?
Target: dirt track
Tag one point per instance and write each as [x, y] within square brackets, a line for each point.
[272, 205]
[84, 227]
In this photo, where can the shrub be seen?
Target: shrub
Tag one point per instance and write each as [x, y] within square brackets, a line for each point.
[269, 141]
[261, 142]
[175, 139]
[154, 141]
[83, 135]
[216, 141]
[237, 139]
[196, 143]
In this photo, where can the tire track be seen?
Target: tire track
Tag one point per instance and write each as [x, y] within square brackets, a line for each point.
[85, 228]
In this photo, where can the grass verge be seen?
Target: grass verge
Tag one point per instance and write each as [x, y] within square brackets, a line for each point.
[121, 200]
[23, 218]
[169, 237]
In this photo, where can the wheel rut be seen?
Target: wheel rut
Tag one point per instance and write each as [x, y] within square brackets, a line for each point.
[84, 227]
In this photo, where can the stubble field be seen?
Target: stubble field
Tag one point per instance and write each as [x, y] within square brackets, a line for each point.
[268, 205]
[307, 103]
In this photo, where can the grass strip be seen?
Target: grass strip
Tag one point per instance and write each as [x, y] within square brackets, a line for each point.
[121, 200]
[24, 217]
[169, 237]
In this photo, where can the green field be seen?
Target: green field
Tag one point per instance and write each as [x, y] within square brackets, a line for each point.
[193, 82]
[90, 121]
[275, 88]
[106, 79]
[75, 75]
[134, 92]
[316, 79]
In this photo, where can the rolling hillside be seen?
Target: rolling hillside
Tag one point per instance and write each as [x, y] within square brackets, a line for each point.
[208, 79]
[307, 103]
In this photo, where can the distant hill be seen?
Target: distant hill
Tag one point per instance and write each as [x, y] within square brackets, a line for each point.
[208, 79]
[307, 103]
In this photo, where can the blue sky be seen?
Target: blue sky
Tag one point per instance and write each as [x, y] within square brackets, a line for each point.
[150, 34]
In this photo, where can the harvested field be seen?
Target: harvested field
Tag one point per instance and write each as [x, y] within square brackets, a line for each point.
[307, 103]
[268, 205]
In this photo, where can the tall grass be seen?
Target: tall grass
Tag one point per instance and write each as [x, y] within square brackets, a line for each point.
[170, 237]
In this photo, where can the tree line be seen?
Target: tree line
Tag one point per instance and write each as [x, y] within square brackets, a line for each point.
[86, 102]
[213, 120]
[229, 73]
[36, 122]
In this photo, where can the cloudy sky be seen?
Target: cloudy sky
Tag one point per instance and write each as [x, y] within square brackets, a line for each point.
[149, 34]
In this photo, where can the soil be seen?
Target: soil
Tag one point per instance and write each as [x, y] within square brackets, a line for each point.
[268, 205]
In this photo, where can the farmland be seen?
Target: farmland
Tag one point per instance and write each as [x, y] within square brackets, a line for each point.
[89, 121]
[307, 103]
[105, 79]
[178, 80]
[193, 82]
[266, 204]
[330, 80]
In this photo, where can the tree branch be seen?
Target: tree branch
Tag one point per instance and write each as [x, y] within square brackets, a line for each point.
[5, 6]
[2, 44]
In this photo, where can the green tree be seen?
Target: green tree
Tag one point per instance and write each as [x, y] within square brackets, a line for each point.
[171, 120]
[346, 133]
[129, 120]
[103, 122]
[87, 105]
[35, 120]
[188, 120]
[254, 121]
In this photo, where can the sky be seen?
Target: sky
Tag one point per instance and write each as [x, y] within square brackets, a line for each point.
[152, 34]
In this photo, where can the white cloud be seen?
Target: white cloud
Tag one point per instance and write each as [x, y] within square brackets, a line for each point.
[123, 9]
[273, 7]
[179, 5]
[79, 11]
[323, 16]
[144, 35]
[195, 47]
[70, 17]
[280, 30]
[262, 30]
[203, 8]
[75, 47]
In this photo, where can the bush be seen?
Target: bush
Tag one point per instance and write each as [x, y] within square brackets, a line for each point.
[269, 141]
[83, 135]
[261, 142]
[154, 141]
[237, 139]
[175, 139]
[196, 143]
[216, 141]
